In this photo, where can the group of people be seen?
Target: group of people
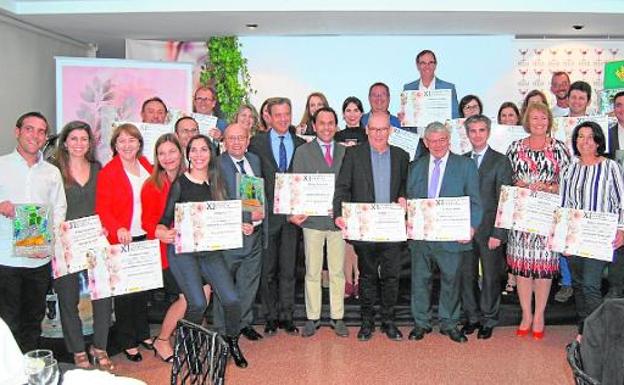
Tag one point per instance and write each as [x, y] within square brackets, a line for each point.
[135, 200]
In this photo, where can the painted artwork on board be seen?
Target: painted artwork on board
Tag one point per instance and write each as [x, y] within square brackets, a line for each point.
[101, 91]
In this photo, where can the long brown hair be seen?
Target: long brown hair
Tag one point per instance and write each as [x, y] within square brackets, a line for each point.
[158, 173]
[307, 116]
[62, 155]
[217, 184]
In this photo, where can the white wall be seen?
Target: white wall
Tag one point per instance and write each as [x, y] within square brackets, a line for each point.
[27, 73]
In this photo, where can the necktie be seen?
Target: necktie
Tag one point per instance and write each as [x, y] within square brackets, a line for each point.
[328, 156]
[241, 166]
[476, 157]
[283, 164]
[435, 179]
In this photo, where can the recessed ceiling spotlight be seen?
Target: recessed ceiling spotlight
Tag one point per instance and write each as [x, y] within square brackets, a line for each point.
[251, 26]
[578, 27]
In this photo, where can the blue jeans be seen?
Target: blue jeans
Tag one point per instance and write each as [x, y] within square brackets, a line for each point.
[564, 270]
[586, 281]
[191, 270]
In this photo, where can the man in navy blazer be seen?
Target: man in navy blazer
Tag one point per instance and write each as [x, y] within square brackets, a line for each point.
[487, 245]
[616, 131]
[426, 64]
[276, 148]
[245, 263]
[441, 174]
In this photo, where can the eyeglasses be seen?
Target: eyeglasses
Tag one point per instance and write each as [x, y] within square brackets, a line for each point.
[427, 63]
[239, 138]
[470, 107]
[378, 130]
[204, 100]
[438, 141]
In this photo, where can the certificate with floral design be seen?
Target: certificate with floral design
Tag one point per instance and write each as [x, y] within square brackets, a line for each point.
[123, 269]
[75, 238]
[583, 233]
[308, 194]
[525, 210]
[421, 107]
[440, 219]
[374, 222]
[208, 226]
[32, 230]
[563, 127]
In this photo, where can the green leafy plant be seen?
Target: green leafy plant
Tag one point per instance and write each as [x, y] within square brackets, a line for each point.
[226, 70]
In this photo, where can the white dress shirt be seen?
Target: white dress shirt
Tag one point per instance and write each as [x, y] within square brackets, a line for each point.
[432, 86]
[40, 184]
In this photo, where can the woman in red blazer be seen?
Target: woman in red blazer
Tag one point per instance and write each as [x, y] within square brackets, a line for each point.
[118, 203]
[168, 157]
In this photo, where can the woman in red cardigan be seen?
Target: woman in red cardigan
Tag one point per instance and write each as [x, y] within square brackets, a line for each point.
[118, 203]
[168, 166]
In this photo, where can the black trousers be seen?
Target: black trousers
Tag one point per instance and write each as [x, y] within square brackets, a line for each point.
[277, 282]
[616, 270]
[380, 265]
[482, 306]
[23, 302]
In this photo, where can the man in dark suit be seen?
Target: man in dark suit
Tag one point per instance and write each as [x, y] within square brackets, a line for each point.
[487, 244]
[374, 172]
[441, 174]
[322, 156]
[616, 136]
[245, 263]
[426, 63]
[277, 284]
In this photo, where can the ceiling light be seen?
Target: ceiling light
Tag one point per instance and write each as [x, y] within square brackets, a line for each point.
[251, 26]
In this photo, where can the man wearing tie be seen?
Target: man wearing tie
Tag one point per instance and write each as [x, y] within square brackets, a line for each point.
[322, 155]
[441, 174]
[494, 172]
[616, 143]
[374, 172]
[277, 283]
[245, 263]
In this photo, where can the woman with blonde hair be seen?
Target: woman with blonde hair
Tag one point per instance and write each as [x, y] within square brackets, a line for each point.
[314, 102]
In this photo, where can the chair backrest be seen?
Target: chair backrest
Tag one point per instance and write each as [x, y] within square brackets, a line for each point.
[200, 356]
[574, 359]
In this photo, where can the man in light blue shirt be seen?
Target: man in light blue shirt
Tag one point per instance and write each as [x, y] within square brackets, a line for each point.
[27, 178]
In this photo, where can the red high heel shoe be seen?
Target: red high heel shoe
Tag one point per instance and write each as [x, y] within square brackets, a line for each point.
[522, 332]
[538, 335]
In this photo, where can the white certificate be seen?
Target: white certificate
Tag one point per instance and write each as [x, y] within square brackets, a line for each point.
[206, 123]
[374, 222]
[76, 237]
[309, 194]
[421, 107]
[406, 140]
[208, 226]
[563, 128]
[584, 233]
[530, 211]
[440, 219]
[502, 135]
[459, 139]
[122, 269]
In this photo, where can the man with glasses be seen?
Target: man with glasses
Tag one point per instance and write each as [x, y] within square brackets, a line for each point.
[205, 102]
[440, 174]
[374, 172]
[245, 263]
[426, 64]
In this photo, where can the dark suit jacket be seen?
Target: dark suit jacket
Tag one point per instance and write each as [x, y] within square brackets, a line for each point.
[310, 159]
[261, 146]
[614, 141]
[495, 171]
[461, 178]
[229, 171]
[355, 180]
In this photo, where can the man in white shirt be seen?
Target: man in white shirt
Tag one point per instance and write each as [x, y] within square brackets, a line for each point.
[560, 86]
[26, 179]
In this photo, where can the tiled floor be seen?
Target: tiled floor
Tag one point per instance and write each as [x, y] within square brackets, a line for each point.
[327, 359]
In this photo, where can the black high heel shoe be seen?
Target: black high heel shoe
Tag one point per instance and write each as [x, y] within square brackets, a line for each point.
[137, 357]
[236, 352]
[157, 353]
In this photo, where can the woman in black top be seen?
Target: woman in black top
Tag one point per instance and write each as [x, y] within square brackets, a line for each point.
[202, 182]
[76, 160]
[353, 133]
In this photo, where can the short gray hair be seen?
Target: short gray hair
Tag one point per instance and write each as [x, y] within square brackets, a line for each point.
[436, 127]
[478, 119]
[385, 114]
